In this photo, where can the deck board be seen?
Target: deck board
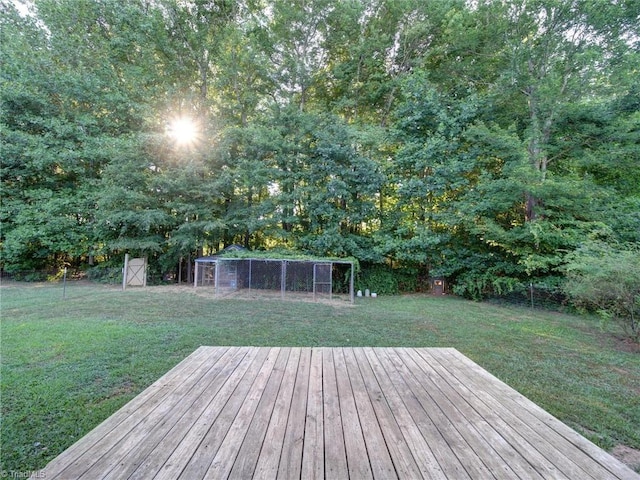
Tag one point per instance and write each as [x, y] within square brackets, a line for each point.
[290, 461]
[313, 443]
[380, 413]
[335, 453]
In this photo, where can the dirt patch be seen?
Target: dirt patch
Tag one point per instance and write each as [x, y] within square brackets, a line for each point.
[275, 295]
[627, 455]
[172, 288]
[337, 300]
[625, 344]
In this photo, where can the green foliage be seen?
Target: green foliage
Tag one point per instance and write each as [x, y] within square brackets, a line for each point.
[605, 278]
[105, 273]
[31, 276]
[478, 286]
[478, 140]
[384, 280]
[282, 254]
[379, 279]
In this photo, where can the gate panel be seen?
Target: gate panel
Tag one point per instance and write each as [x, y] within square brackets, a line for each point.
[322, 279]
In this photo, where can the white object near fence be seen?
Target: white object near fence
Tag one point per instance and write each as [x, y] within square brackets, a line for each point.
[134, 272]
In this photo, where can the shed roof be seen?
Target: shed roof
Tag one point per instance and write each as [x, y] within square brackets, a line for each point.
[206, 259]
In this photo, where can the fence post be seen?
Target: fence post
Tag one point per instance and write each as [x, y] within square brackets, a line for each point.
[330, 280]
[64, 283]
[216, 276]
[283, 279]
[146, 268]
[125, 271]
[531, 293]
[351, 283]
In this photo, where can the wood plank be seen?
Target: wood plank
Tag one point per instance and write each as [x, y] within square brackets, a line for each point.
[198, 416]
[564, 460]
[412, 456]
[436, 407]
[558, 441]
[354, 444]
[290, 465]
[273, 445]
[193, 455]
[254, 440]
[508, 427]
[128, 413]
[130, 454]
[437, 442]
[135, 427]
[501, 458]
[335, 455]
[313, 446]
[214, 457]
[376, 446]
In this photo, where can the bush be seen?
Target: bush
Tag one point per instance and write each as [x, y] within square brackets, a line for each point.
[104, 273]
[478, 286]
[385, 280]
[34, 275]
[605, 279]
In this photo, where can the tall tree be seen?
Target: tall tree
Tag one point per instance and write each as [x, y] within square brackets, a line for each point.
[556, 50]
[297, 53]
[65, 105]
[484, 139]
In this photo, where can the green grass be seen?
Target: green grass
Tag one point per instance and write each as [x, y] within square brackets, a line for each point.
[67, 364]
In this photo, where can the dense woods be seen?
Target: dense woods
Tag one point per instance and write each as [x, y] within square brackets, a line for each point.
[485, 141]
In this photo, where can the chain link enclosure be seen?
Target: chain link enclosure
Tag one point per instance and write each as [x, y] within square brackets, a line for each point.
[317, 279]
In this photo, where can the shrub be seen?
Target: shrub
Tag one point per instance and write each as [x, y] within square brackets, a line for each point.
[378, 278]
[104, 273]
[385, 280]
[605, 278]
[478, 286]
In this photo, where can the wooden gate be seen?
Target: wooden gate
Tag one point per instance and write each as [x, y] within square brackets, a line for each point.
[135, 272]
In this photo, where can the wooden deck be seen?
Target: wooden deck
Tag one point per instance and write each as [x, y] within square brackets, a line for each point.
[335, 413]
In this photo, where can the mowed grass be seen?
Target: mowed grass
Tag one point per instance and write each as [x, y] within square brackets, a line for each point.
[67, 364]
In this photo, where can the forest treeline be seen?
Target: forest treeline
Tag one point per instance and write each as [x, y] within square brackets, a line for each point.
[490, 142]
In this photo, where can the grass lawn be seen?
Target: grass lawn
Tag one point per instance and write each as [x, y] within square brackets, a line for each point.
[67, 364]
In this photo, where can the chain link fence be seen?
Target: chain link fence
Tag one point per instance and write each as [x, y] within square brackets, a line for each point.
[536, 296]
[105, 275]
[63, 284]
[331, 280]
[273, 277]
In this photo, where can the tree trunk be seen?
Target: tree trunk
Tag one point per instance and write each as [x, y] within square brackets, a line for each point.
[540, 136]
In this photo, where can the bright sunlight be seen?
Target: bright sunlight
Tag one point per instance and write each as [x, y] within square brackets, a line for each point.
[183, 130]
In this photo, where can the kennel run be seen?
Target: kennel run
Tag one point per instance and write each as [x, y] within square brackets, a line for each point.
[322, 278]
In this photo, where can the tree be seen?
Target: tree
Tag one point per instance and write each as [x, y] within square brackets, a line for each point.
[337, 187]
[130, 215]
[429, 172]
[249, 175]
[525, 203]
[556, 49]
[323, 190]
[480, 140]
[75, 109]
[49, 139]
